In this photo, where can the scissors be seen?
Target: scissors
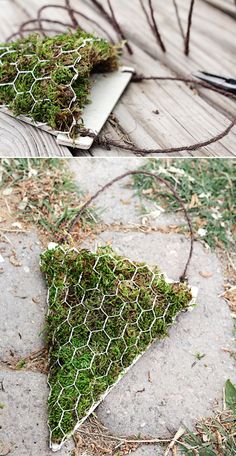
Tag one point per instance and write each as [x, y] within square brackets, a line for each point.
[227, 84]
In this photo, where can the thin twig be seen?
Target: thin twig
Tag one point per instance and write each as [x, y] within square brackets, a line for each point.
[123, 439]
[147, 15]
[175, 439]
[190, 17]
[111, 19]
[155, 27]
[75, 12]
[158, 179]
[233, 266]
[107, 143]
[118, 28]
[205, 85]
[40, 20]
[8, 230]
[71, 14]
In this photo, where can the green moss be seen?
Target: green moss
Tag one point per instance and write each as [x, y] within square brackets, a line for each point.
[104, 311]
[40, 77]
[21, 364]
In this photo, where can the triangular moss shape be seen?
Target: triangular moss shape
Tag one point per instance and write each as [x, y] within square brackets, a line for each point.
[103, 312]
[48, 78]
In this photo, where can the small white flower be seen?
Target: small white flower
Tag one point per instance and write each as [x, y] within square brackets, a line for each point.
[33, 172]
[202, 232]
[8, 191]
[205, 195]
[52, 245]
[156, 213]
[17, 225]
[216, 216]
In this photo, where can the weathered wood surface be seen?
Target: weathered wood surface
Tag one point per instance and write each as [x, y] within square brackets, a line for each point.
[185, 116]
[227, 6]
[17, 139]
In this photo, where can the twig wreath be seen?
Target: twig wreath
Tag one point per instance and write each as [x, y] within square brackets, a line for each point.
[44, 25]
[38, 24]
[104, 312]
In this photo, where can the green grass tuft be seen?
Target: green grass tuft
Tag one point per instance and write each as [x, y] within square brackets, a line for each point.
[104, 311]
[208, 188]
[40, 77]
[214, 436]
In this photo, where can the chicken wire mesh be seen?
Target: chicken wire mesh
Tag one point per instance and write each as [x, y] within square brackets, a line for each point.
[48, 79]
[104, 311]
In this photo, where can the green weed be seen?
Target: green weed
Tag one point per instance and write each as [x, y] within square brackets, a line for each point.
[208, 188]
[214, 436]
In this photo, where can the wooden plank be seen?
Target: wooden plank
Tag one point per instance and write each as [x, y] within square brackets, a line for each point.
[17, 138]
[226, 6]
[211, 49]
[185, 117]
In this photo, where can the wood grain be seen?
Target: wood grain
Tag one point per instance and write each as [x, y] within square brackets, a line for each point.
[226, 6]
[185, 116]
[16, 138]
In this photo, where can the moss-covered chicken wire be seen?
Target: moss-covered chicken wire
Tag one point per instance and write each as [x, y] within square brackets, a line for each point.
[103, 312]
[48, 79]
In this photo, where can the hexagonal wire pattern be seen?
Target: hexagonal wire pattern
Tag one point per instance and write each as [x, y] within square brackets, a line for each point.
[104, 315]
[72, 99]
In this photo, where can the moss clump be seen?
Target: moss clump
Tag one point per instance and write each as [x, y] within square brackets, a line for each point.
[49, 79]
[104, 311]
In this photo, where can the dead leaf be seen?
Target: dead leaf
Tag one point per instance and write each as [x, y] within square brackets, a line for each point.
[200, 223]
[177, 436]
[194, 202]
[230, 295]
[78, 443]
[4, 448]
[205, 274]
[126, 202]
[174, 451]
[205, 438]
[23, 204]
[8, 191]
[14, 261]
[148, 191]
[144, 221]
[17, 225]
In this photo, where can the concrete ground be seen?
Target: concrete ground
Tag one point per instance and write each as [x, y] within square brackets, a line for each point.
[168, 386]
[23, 395]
